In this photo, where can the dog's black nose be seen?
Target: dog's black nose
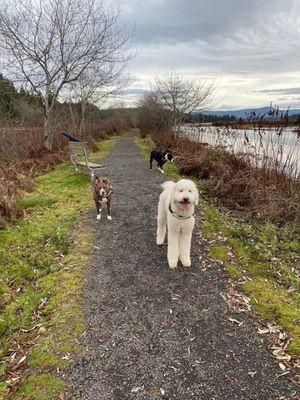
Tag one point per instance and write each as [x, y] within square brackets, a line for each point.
[186, 199]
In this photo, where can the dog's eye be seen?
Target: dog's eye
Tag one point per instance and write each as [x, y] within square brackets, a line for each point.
[181, 190]
[190, 191]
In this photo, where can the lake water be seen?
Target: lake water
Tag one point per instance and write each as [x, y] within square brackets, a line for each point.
[280, 148]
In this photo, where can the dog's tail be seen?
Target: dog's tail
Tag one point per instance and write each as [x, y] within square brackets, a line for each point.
[168, 185]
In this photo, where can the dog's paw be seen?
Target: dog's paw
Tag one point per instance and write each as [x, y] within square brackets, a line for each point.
[186, 263]
[98, 217]
[172, 264]
[109, 217]
[160, 242]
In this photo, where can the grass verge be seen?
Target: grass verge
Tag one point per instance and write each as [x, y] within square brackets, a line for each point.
[41, 280]
[262, 257]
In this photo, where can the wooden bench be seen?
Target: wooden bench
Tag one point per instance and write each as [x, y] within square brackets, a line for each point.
[79, 155]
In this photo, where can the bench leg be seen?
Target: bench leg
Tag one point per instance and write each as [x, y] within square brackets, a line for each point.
[92, 176]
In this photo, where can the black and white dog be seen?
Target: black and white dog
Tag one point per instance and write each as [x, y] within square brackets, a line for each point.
[161, 157]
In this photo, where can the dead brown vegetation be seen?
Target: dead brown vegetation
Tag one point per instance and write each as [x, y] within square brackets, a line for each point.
[20, 143]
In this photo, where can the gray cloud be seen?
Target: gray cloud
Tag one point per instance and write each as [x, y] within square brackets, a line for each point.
[136, 91]
[239, 40]
[186, 21]
[283, 91]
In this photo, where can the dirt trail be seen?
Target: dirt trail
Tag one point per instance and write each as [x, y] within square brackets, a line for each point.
[156, 333]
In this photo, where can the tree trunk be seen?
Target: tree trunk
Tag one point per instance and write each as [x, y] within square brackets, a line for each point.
[175, 122]
[48, 132]
[82, 120]
[48, 108]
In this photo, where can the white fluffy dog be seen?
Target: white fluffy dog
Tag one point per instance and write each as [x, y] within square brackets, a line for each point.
[176, 211]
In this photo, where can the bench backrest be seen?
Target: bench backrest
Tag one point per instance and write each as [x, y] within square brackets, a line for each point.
[79, 150]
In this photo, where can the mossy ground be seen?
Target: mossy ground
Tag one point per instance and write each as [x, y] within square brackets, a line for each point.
[41, 280]
[265, 255]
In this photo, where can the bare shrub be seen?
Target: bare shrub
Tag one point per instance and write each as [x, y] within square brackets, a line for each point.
[16, 143]
[153, 119]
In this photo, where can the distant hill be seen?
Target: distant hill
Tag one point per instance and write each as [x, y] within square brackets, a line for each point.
[243, 112]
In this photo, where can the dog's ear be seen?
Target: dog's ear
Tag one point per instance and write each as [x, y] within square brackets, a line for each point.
[196, 201]
[106, 180]
[97, 181]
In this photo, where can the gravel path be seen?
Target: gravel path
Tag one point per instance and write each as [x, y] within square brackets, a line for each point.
[156, 333]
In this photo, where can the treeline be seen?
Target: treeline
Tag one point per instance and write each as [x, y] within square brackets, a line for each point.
[227, 118]
[200, 118]
[20, 108]
[18, 105]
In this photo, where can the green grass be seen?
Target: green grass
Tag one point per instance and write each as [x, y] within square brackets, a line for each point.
[40, 387]
[266, 254]
[41, 279]
[219, 253]
[35, 201]
[144, 147]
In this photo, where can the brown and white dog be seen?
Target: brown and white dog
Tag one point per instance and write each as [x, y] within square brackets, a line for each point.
[102, 193]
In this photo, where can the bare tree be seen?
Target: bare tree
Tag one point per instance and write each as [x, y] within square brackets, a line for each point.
[180, 94]
[94, 86]
[49, 44]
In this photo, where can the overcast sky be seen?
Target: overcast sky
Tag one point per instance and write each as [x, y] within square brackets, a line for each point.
[251, 47]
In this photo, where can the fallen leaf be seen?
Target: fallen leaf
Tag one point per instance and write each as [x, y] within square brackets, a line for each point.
[137, 389]
[252, 373]
[282, 367]
[21, 360]
[284, 373]
[284, 357]
[233, 320]
[263, 331]
[175, 369]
